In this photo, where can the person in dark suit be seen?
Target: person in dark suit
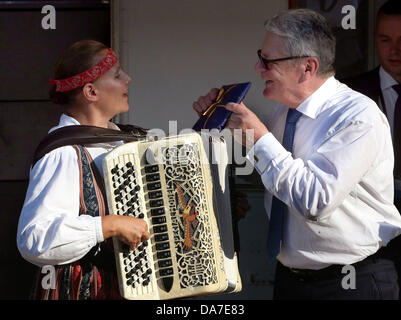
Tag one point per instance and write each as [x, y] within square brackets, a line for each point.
[383, 85]
[377, 83]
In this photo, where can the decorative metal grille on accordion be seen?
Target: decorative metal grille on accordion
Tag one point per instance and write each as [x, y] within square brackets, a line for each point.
[184, 198]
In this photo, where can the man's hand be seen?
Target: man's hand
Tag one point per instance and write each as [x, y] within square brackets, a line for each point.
[244, 119]
[205, 102]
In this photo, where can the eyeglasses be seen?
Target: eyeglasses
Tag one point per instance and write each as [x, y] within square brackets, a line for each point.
[265, 62]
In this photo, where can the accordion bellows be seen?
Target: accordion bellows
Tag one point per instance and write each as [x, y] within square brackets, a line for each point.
[185, 200]
[216, 116]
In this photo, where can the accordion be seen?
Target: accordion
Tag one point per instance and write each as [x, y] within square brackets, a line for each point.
[179, 186]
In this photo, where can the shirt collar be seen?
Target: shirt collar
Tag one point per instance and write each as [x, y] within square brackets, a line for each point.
[66, 120]
[314, 104]
[386, 80]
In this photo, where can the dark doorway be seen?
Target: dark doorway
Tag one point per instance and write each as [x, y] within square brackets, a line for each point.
[28, 53]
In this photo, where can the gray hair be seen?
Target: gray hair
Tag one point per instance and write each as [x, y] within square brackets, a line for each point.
[307, 33]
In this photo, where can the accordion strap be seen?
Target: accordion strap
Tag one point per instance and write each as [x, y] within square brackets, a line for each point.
[83, 135]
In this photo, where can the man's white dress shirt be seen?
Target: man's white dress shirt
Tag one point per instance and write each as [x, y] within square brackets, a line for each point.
[50, 230]
[338, 182]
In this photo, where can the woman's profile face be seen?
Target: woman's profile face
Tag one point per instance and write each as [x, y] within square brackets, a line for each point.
[113, 91]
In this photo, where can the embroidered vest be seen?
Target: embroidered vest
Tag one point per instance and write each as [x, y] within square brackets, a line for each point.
[93, 276]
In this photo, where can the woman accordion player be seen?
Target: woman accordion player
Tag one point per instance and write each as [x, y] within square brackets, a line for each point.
[64, 220]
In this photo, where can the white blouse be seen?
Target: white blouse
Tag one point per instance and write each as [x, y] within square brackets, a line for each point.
[50, 229]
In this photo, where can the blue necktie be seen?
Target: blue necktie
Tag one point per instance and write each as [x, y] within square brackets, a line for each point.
[397, 133]
[279, 208]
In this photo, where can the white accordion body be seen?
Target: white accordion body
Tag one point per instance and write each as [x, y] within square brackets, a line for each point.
[185, 200]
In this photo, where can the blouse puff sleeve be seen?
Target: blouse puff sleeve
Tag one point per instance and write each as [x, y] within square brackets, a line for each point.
[50, 229]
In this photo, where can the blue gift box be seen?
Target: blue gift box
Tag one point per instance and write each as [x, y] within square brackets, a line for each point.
[216, 116]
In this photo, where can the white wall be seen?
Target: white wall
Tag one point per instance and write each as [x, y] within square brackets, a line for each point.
[177, 50]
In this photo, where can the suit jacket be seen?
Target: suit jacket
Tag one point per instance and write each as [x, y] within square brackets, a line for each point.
[368, 84]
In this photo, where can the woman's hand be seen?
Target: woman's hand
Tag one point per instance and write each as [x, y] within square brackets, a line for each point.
[131, 231]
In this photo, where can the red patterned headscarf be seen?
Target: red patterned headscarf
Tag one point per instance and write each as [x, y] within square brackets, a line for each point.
[87, 76]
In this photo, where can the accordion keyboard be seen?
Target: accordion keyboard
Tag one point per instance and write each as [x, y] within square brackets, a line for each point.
[136, 264]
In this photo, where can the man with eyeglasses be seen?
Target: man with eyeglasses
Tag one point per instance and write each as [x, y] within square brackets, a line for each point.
[325, 158]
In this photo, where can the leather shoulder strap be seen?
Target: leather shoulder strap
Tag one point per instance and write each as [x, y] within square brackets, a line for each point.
[83, 135]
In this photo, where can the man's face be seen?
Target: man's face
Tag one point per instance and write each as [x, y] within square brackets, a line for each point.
[281, 78]
[388, 44]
